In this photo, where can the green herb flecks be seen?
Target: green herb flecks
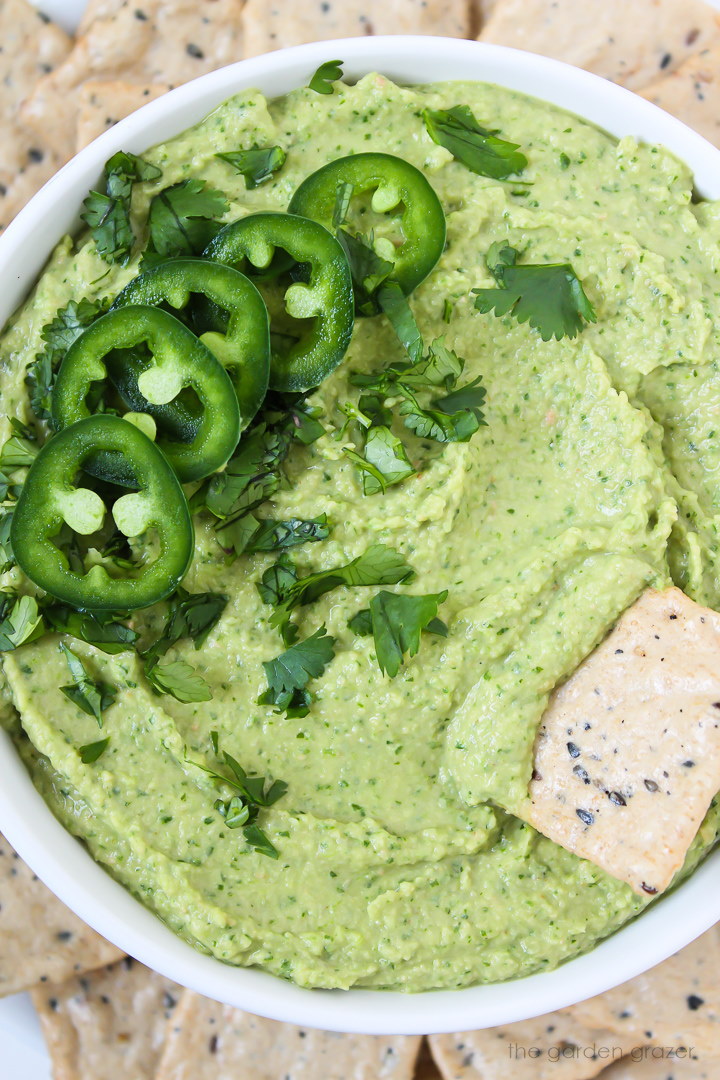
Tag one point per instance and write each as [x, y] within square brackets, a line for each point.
[90, 753]
[183, 220]
[478, 148]
[289, 673]
[327, 74]
[256, 165]
[549, 296]
[59, 334]
[108, 214]
[90, 696]
[253, 795]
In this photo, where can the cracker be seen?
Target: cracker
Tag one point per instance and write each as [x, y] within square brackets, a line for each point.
[102, 104]
[32, 47]
[209, 1041]
[627, 757]
[632, 46]
[269, 26]
[675, 1004]
[40, 939]
[655, 1063]
[107, 1024]
[692, 93]
[550, 1047]
[97, 9]
[143, 41]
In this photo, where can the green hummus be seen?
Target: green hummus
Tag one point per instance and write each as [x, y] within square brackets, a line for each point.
[400, 863]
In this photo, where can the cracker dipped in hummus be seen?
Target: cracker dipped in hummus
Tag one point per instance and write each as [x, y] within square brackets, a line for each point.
[326, 554]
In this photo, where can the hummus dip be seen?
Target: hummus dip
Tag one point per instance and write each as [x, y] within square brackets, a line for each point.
[401, 864]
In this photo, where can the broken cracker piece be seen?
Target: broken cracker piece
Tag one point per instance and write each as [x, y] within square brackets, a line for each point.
[275, 26]
[692, 93]
[173, 41]
[562, 1049]
[102, 104]
[674, 1004]
[627, 756]
[40, 939]
[604, 38]
[107, 1024]
[209, 1041]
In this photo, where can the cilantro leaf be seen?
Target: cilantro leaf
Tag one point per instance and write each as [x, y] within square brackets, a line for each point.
[242, 810]
[343, 196]
[108, 214]
[455, 418]
[182, 219]
[394, 304]
[549, 296]
[397, 622]
[272, 535]
[59, 334]
[385, 460]
[367, 269]
[476, 147]
[277, 579]
[255, 165]
[179, 680]
[17, 453]
[90, 696]
[323, 79]
[101, 631]
[361, 623]
[189, 615]
[292, 670]
[92, 751]
[20, 621]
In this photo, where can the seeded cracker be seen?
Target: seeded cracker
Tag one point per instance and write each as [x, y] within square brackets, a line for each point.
[675, 1004]
[40, 940]
[630, 44]
[31, 47]
[208, 1041]
[109, 1024]
[276, 25]
[143, 41]
[692, 93]
[562, 1050]
[653, 1063]
[102, 104]
[627, 757]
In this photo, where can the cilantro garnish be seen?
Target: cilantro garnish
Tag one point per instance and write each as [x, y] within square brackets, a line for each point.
[327, 74]
[18, 453]
[393, 303]
[343, 196]
[476, 147]
[179, 680]
[242, 810]
[102, 631]
[20, 620]
[183, 220]
[92, 751]
[256, 165]
[396, 622]
[549, 296]
[108, 215]
[367, 269]
[385, 461]
[379, 565]
[59, 334]
[289, 673]
[248, 535]
[90, 696]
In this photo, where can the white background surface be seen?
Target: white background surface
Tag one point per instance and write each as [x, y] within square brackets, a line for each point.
[23, 1055]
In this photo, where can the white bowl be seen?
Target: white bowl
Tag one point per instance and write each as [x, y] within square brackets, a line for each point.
[55, 856]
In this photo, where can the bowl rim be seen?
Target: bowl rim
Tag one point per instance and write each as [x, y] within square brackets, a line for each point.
[58, 859]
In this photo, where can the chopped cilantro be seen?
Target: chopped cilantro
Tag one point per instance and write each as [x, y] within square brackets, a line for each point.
[108, 215]
[272, 535]
[20, 620]
[92, 751]
[67, 325]
[547, 295]
[476, 147]
[368, 269]
[189, 615]
[397, 622]
[18, 453]
[327, 74]
[183, 220]
[179, 680]
[343, 195]
[256, 165]
[394, 304]
[90, 696]
[385, 460]
[289, 673]
[102, 631]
